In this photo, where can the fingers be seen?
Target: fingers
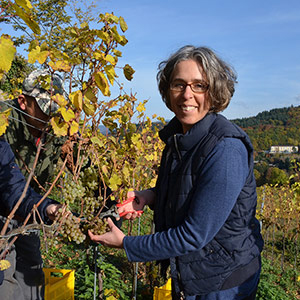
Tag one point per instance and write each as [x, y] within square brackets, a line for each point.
[94, 238]
[130, 194]
[110, 223]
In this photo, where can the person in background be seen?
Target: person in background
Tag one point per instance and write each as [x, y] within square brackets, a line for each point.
[205, 197]
[12, 184]
[29, 116]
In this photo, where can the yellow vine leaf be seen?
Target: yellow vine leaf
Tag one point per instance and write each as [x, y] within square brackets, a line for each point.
[97, 141]
[7, 53]
[60, 100]
[25, 4]
[74, 127]
[102, 83]
[4, 120]
[114, 182]
[27, 18]
[123, 24]
[67, 114]
[4, 264]
[33, 55]
[89, 108]
[152, 182]
[110, 59]
[60, 129]
[128, 72]
[141, 107]
[36, 54]
[60, 65]
[108, 294]
[110, 73]
[90, 95]
[126, 171]
[76, 99]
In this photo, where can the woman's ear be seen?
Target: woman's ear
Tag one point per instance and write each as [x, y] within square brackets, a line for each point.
[22, 102]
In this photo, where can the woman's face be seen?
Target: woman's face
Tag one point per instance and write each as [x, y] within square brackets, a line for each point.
[188, 106]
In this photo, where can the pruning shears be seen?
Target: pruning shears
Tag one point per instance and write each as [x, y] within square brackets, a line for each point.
[131, 199]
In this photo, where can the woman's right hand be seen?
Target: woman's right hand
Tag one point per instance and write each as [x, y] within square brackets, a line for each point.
[132, 209]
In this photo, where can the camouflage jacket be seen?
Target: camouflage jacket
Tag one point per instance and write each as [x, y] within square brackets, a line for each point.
[24, 146]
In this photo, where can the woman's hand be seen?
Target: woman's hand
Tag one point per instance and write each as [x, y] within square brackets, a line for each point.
[113, 238]
[52, 211]
[133, 209]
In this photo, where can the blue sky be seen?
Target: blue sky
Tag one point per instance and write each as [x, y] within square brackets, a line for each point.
[260, 39]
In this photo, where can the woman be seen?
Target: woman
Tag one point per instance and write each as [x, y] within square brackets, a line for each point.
[205, 198]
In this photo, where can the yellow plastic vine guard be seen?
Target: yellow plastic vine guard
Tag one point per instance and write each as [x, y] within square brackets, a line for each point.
[59, 284]
[164, 292]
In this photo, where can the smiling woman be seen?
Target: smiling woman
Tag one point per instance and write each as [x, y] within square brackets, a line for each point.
[205, 197]
[188, 106]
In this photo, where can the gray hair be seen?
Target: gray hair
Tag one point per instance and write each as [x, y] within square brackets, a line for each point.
[220, 76]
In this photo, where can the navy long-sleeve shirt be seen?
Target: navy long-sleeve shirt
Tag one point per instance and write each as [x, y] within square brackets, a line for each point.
[224, 174]
[12, 184]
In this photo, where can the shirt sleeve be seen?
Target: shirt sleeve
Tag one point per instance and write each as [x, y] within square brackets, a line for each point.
[222, 179]
[12, 184]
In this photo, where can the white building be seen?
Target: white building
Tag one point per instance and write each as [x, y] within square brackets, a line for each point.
[284, 149]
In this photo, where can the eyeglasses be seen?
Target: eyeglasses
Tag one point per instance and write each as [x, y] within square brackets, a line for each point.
[196, 87]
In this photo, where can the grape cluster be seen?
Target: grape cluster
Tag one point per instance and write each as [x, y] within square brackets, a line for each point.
[99, 226]
[73, 191]
[81, 197]
[90, 178]
[70, 227]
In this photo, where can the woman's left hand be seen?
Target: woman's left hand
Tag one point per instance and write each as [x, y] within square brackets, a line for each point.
[52, 211]
[113, 238]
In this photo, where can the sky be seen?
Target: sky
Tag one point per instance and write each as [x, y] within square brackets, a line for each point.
[260, 39]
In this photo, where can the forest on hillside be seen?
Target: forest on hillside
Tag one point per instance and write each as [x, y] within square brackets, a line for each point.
[280, 126]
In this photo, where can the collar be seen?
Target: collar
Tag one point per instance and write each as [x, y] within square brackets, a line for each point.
[190, 138]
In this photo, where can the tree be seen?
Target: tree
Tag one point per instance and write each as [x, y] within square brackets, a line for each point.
[276, 176]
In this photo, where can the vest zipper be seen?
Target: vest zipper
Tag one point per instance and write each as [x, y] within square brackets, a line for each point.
[176, 146]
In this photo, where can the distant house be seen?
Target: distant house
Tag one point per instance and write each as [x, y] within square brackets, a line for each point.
[284, 149]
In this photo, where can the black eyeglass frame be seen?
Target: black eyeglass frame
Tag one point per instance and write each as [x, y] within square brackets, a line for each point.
[192, 85]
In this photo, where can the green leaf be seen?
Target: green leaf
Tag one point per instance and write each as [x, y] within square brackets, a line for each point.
[117, 52]
[123, 24]
[114, 182]
[103, 35]
[97, 141]
[128, 72]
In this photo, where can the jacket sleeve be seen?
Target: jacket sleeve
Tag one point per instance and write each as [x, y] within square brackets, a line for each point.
[12, 184]
[222, 180]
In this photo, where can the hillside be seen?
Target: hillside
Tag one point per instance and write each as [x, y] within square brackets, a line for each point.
[280, 126]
